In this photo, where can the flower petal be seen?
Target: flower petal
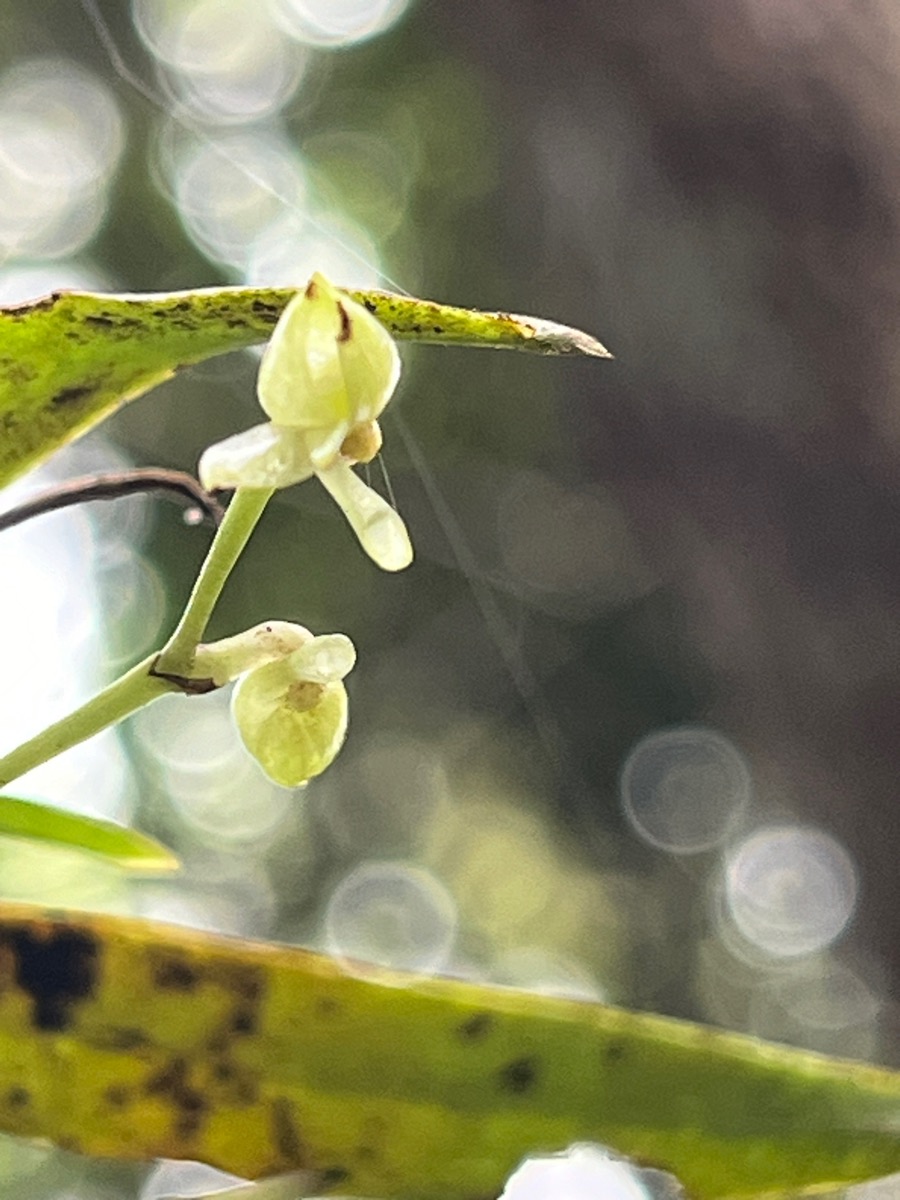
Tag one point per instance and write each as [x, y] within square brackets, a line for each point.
[329, 362]
[381, 531]
[230, 657]
[324, 659]
[266, 456]
[290, 745]
[300, 378]
[369, 360]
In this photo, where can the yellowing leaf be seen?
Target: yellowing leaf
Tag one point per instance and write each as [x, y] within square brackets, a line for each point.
[45, 823]
[124, 1038]
[70, 359]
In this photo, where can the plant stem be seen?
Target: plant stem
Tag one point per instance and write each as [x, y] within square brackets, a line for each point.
[168, 671]
[130, 692]
[246, 507]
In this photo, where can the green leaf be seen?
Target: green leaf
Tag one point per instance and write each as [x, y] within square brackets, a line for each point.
[70, 359]
[44, 823]
[145, 1040]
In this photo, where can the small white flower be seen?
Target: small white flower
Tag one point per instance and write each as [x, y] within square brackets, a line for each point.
[292, 713]
[326, 375]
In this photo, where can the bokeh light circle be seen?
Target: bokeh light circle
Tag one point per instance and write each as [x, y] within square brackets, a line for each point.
[682, 790]
[393, 914]
[232, 188]
[790, 889]
[223, 60]
[335, 22]
[61, 137]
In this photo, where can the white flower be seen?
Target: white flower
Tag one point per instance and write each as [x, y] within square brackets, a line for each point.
[326, 375]
[292, 713]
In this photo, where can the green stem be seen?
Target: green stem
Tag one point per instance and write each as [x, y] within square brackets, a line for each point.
[177, 656]
[130, 692]
[168, 671]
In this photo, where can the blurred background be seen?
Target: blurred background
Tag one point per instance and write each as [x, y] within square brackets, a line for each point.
[627, 729]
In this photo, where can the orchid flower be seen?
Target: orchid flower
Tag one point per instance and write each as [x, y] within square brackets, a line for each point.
[291, 712]
[326, 375]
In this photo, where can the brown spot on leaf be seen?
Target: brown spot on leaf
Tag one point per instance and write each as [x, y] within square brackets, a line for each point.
[71, 395]
[264, 309]
[519, 1075]
[285, 1134]
[614, 1052]
[246, 983]
[172, 1084]
[233, 1084]
[332, 1177]
[117, 1096]
[18, 372]
[477, 1026]
[119, 1037]
[18, 1097]
[56, 967]
[311, 290]
[175, 975]
[244, 1021]
[327, 1006]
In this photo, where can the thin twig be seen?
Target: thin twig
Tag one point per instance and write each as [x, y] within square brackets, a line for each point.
[110, 487]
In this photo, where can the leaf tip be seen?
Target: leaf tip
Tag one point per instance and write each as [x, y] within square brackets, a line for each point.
[564, 339]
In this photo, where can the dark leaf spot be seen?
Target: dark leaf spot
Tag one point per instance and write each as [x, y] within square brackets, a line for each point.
[476, 1027]
[244, 1021]
[327, 1006]
[285, 1135]
[332, 1176]
[236, 1085]
[70, 395]
[519, 1075]
[118, 1037]
[57, 969]
[265, 309]
[247, 984]
[18, 1097]
[172, 1083]
[614, 1052]
[117, 1096]
[173, 974]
